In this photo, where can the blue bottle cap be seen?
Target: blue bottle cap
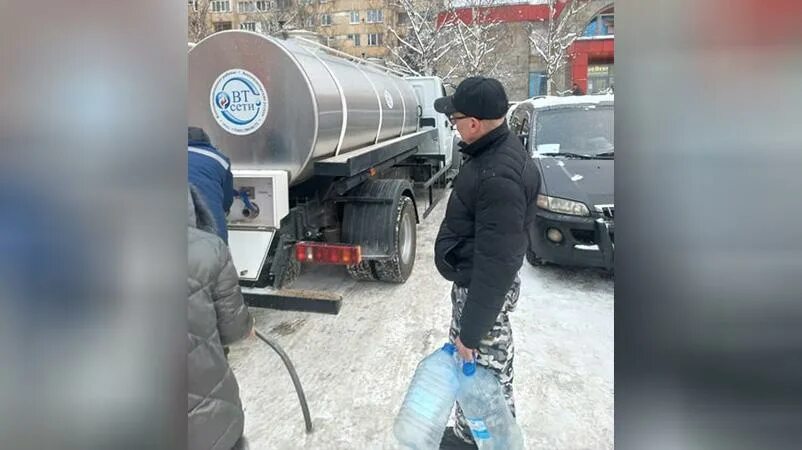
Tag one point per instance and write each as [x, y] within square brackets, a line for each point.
[449, 348]
[469, 368]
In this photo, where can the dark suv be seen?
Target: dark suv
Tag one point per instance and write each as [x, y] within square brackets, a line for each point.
[571, 141]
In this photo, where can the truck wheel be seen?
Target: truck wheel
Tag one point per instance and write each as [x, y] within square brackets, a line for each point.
[532, 258]
[398, 268]
[361, 271]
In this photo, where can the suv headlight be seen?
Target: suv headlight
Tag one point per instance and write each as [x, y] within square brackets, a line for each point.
[562, 206]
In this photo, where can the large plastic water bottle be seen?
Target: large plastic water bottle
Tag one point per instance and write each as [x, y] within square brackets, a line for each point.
[429, 400]
[492, 425]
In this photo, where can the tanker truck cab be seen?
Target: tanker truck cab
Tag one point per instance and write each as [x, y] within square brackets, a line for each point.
[335, 159]
[427, 89]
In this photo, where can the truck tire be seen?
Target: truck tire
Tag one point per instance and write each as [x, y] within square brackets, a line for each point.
[398, 268]
[361, 272]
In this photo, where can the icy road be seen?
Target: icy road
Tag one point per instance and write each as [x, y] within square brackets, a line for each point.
[355, 366]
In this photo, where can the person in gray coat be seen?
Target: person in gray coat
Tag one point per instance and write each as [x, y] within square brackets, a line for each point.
[217, 317]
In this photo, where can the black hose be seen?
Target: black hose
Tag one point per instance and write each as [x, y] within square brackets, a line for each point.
[295, 381]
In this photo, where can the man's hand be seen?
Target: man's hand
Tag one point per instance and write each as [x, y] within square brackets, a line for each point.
[467, 354]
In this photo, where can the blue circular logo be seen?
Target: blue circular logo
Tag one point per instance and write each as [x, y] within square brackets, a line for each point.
[239, 102]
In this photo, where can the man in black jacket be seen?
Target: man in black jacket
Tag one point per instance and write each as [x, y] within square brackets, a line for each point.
[482, 240]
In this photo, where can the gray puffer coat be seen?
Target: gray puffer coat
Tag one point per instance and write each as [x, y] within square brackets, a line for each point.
[217, 316]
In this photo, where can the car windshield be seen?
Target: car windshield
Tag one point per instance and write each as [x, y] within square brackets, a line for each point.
[577, 131]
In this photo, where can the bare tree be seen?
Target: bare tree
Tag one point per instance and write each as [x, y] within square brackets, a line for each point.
[198, 15]
[276, 16]
[420, 43]
[479, 40]
[552, 38]
[305, 14]
[271, 16]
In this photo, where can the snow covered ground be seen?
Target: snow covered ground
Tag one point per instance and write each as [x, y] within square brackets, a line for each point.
[355, 366]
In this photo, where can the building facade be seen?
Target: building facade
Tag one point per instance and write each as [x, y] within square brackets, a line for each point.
[593, 54]
[590, 62]
[357, 27]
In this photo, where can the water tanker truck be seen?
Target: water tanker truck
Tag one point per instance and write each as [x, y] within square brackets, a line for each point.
[329, 155]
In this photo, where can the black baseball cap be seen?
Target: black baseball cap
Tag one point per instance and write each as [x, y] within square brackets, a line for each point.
[479, 97]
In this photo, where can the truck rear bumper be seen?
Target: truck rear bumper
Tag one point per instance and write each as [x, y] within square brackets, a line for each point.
[293, 299]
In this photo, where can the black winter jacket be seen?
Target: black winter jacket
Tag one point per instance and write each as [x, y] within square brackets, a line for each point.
[482, 240]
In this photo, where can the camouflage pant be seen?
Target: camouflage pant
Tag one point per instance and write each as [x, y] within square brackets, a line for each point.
[496, 350]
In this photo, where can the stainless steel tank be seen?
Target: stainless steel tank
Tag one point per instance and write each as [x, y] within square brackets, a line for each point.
[280, 104]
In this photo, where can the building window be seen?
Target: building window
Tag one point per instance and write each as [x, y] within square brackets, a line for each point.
[601, 25]
[375, 40]
[250, 26]
[600, 78]
[325, 20]
[263, 6]
[375, 16]
[354, 17]
[246, 7]
[222, 26]
[310, 22]
[193, 5]
[221, 6]
[355, 38]
[537, 83]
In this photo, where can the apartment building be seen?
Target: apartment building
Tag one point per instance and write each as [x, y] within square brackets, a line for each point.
[357, 27]
[261, 16]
